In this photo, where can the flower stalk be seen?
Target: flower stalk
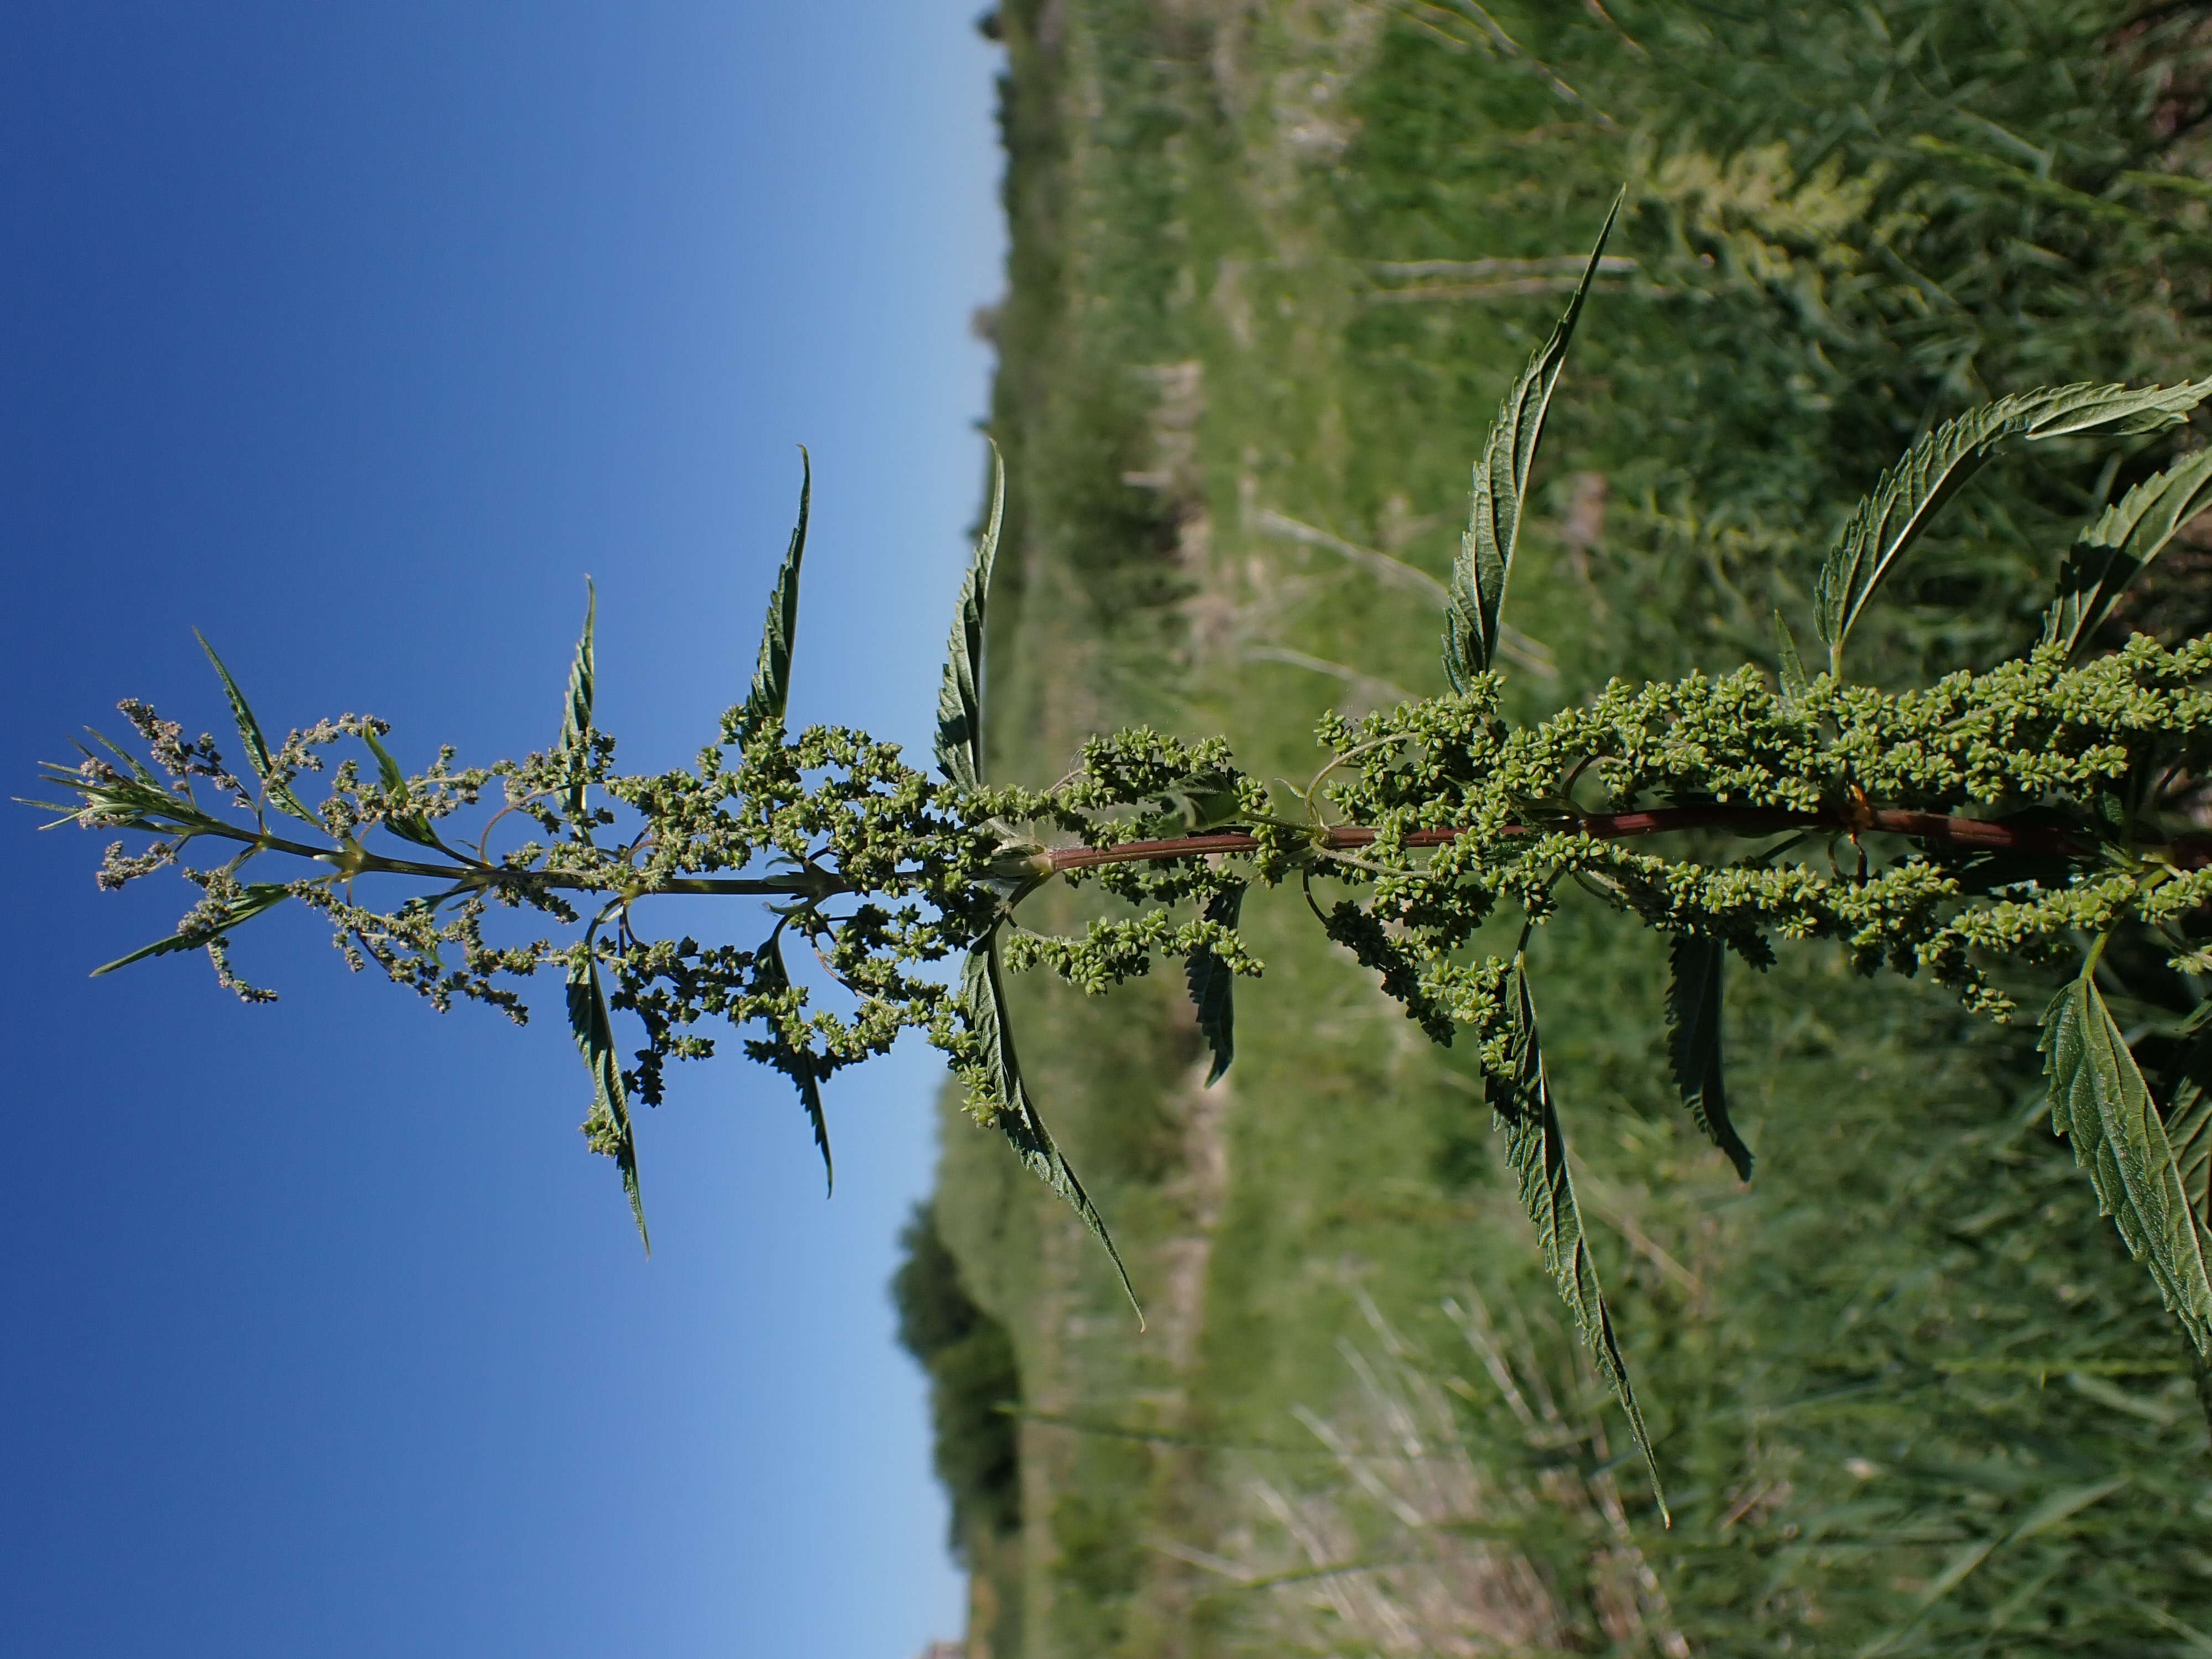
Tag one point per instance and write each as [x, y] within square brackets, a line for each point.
[1976, 832]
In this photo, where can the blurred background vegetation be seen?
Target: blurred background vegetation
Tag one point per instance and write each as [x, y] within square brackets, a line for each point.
[1273, 263]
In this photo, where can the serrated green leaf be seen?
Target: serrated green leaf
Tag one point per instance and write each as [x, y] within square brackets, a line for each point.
[1536, 1149]
[764, 704]
[413, 826]
[254, 898]
[1501, 486]
[160, 948]
[595, 1040]
[576, 716]
[1693, 1042]
[983, 1003]
[273, 789]
[795, 1063]
[1938, 466]
[388, 769]
[249, 729]
[960, 700]
[1211, 986]
[1792, 671]
[2127, 536]
[2189, 1129]
[2100, 1102]
[583, 675]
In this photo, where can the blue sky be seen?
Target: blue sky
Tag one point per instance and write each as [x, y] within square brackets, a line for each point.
[356, 336]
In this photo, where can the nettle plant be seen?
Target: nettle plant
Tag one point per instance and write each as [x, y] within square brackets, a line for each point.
[2045, 811]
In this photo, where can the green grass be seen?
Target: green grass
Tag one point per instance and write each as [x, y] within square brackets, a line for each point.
[1201, 201]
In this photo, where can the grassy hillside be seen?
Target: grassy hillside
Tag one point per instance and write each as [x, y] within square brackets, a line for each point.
[1273, 264]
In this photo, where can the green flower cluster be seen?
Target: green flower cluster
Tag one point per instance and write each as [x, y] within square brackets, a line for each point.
[2083, 777]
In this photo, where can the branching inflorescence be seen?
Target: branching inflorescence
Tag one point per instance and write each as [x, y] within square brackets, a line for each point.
[1980, 830]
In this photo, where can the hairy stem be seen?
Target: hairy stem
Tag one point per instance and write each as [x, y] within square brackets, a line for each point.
[812, 884]
[2190, 853]
[2037, 839]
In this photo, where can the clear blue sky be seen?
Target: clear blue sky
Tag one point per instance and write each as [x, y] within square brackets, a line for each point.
[356, 336]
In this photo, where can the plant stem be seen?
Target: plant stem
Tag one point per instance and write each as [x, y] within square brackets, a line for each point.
[2034, 839]
[811, 883]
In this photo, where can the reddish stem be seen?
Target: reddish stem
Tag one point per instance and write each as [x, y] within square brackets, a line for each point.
[2036, 839]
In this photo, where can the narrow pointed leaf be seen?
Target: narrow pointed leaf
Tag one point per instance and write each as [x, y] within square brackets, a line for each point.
[983, 1002]
[137, 768]
[2100, 1102]
[412, 826]
[576, 717]
[609, 1120]
[254, 898]
[143, 802]
[1211, 986]
[1536, 1148]
[258, 755]
[1939, 465]
[960, 701]
[764, 704]
[388, 769]
[2063, 1505]
[249, 729]
[1501, 486]
[2127, 536]
[583, 675]
[795, 1063]
[1964, 1561]
[1792, 665]
[1693, 1042]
